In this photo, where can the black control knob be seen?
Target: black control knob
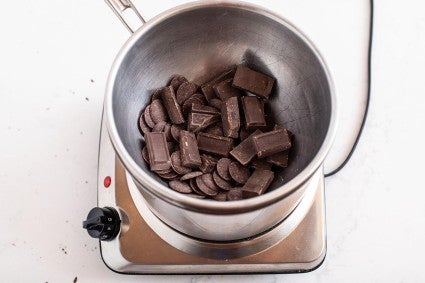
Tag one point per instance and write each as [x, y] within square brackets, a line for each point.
[103, 223]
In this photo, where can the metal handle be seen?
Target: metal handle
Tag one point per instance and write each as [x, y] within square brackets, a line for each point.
[119, 6]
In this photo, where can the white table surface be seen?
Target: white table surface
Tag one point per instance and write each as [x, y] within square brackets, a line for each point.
[54, 61]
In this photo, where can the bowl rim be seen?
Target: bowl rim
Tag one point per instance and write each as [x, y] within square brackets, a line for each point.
[206, 206]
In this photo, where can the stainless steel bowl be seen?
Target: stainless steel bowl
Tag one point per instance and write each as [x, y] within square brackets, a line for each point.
[199, 40]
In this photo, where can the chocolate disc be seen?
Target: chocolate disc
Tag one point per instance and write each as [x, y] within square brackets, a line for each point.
[180, 187]
[223, 184]
[159, 127]
[145, 154]
[204, 188]
[142, 125]
[176, 81]
[157, 111]
[175, 132]
[223, 168]
[208, 180]
[234, 194]
[157, 94]
[148, 118]
[185, 91]
[169, 176]
[167, 131]
[176, 164]
[191, 175]
[194, 187]
[187, 105]
[238, 172]
[221, 196]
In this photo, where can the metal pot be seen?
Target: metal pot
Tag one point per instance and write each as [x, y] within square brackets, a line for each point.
[199, 40]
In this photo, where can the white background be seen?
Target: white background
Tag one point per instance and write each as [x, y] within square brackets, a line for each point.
[54, 61]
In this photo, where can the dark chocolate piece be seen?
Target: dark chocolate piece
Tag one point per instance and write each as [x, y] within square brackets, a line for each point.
[157, 94]
[269, 143]
[157, 111]
[207, 88]
[176, 164]
[215, 129]
[189, 150]
[223, 184]
[238, 172]
[175, 132]
[159, 157]
[148, 117]
[166, 171]
[145, 154]
[253, 109]
[169, 176]
[199, 108]
[230, 117]
[191, 175]
[200, 121]
[180, 186]
[234, 194]
[173, 108]
[258, 183]
[221, 196]
[209, 181]
[254, 82]
[144, 128]
[214, 144]
[216, 103]
[245, 151]
[185, 90]
[176, 81]
[208, 163]
[225, 90]
[167, 131]
[187, 105]
[243, 134]
[171, 147]
[261, 164]
[204, 187]
[223, 168]
[279, 159]
[195, 188]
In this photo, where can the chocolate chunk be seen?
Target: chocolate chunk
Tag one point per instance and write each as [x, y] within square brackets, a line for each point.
[220, 182]
[216, 103]
[180, 186]
[221, 196]
[204, 188]
[230, 117]
[238, 172]
[258, 183]
[189, 150]
[148, 118]
[159, 127]
[157, 94]
[185, 90]
[175, 132]
[195, 188]
[225, 90]
[159, 156]
[144, 128]
[208, 163]
[191, 175]
[176, 164]
[243, 133]
[194, 99]
[253, 109]
[145, 154]
[234, 194]
[214, 144]
[254, 82]
[173, 108]
[157, 111]
[207, 88]
[171, 147]
[165, 171]
[200, 121]
[269, 143]
[215, 129]
[279, 159]
[261, 164]
[199, 108]
[223, 168]
[245, 151]
[209, 181]
[176, 81]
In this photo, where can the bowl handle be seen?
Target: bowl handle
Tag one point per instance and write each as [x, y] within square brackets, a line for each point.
[119, 6]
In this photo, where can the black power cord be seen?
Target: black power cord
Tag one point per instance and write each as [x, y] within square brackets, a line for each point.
[369, 79]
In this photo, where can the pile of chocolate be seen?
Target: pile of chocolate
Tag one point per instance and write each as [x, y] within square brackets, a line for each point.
[213, 141]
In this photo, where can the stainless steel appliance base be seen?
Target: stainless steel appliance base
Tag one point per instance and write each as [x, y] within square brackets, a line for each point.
[146, 245]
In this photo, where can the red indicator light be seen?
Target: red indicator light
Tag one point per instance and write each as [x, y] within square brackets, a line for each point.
[107, 181]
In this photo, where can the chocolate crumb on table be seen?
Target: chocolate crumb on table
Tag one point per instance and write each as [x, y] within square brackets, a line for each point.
[215, 141]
